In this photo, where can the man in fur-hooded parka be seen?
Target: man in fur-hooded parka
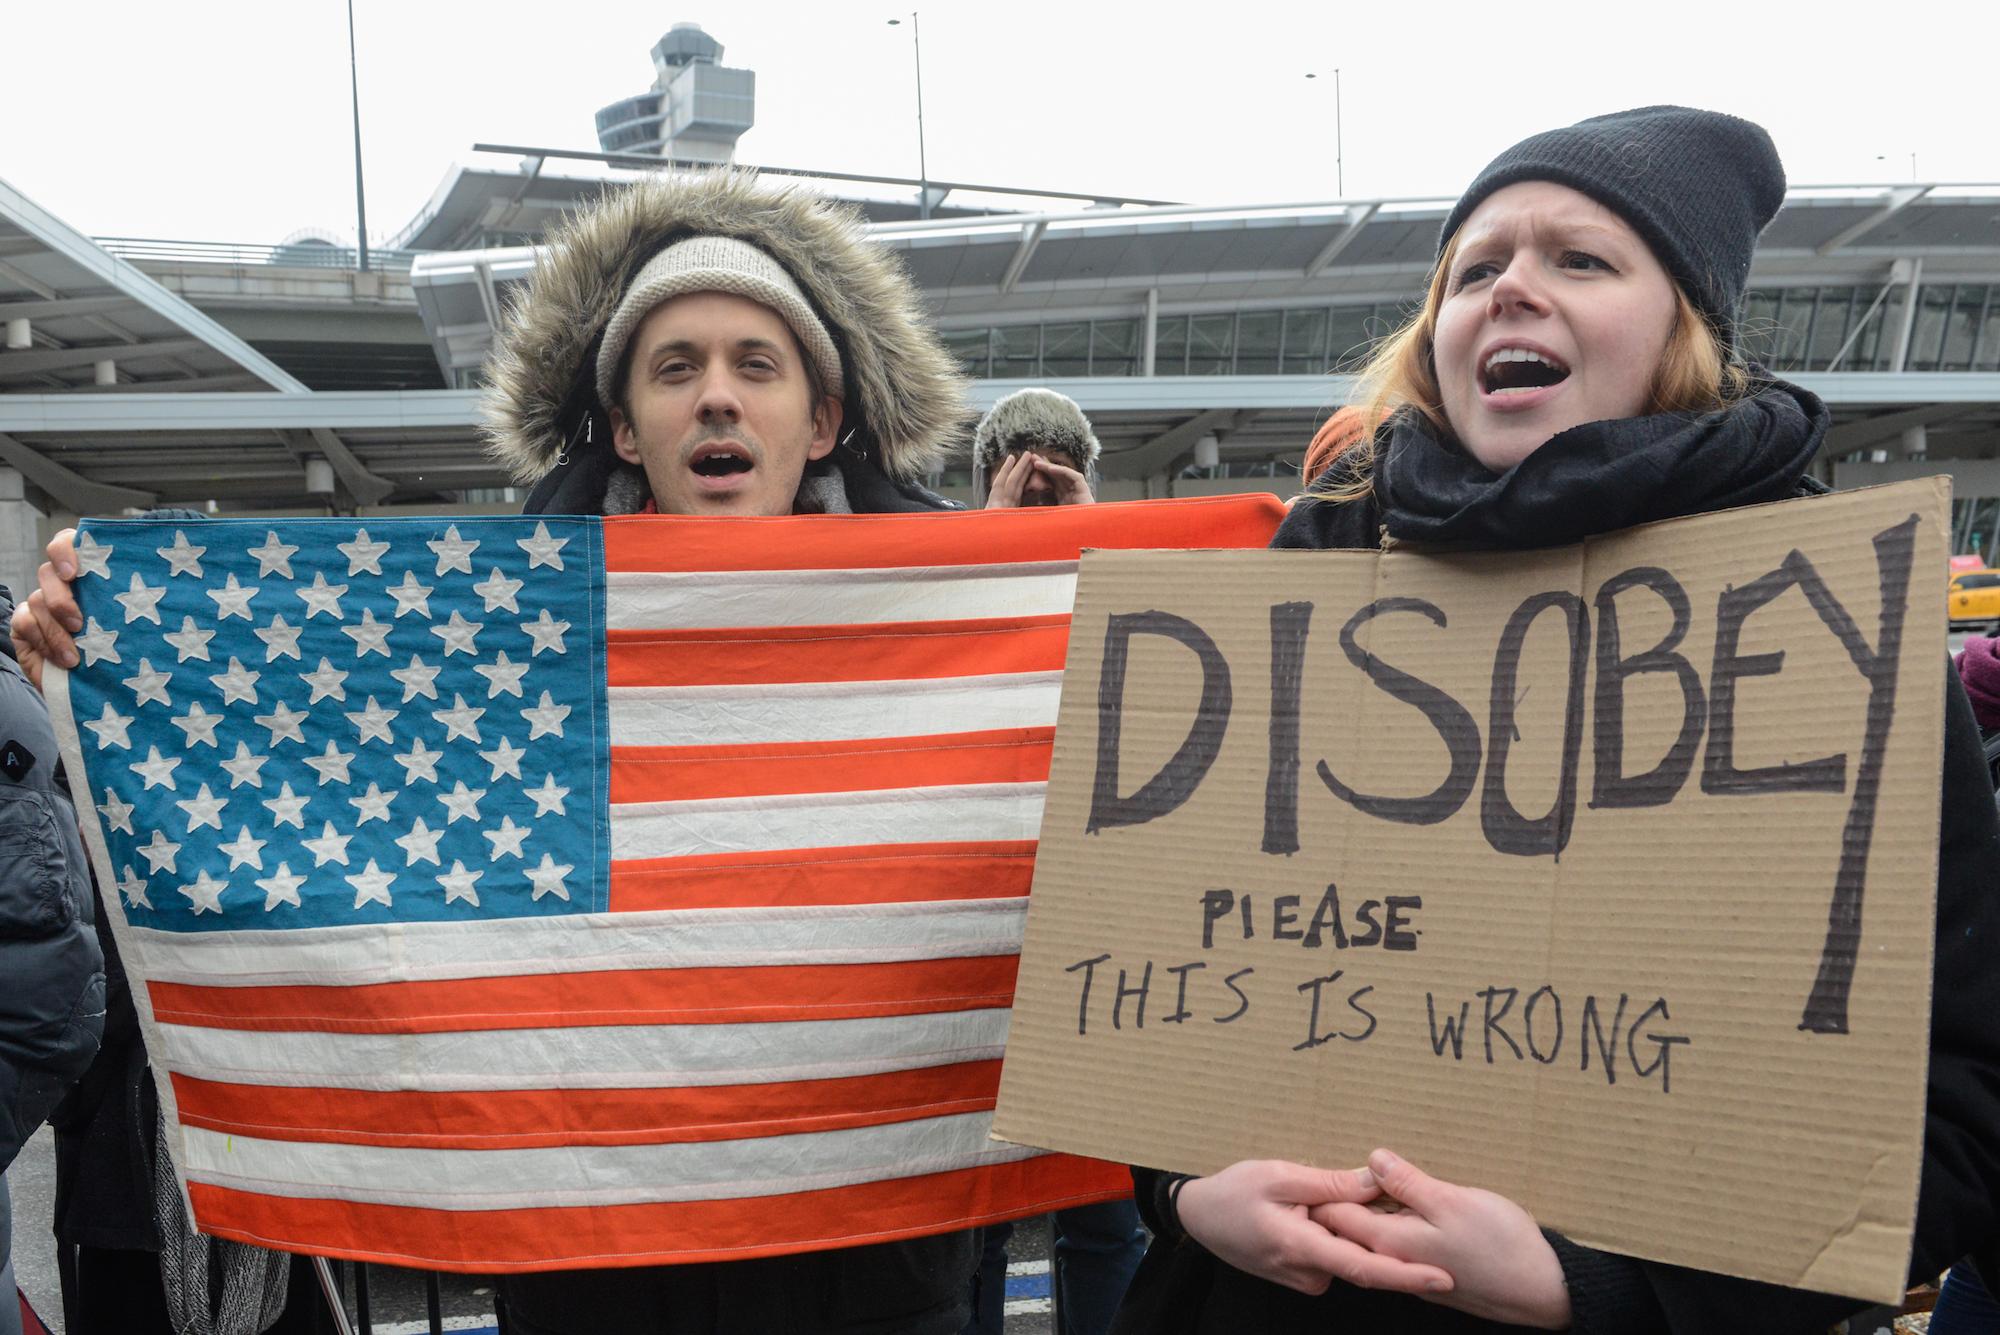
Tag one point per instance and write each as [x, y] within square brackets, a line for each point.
[621, 317]
[901, 394]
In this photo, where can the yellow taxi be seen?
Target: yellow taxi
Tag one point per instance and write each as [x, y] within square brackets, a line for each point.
[1974, 597]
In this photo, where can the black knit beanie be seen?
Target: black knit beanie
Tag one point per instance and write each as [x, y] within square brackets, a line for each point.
[1697, 185]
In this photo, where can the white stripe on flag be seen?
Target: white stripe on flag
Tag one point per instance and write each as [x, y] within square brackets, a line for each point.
[830, 711]
[588, 1057]
[499, 1179]
[647, 601]
[583, 943]
[945, 813]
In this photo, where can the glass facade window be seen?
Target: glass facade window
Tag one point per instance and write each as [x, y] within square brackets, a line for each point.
[1017, 352]
[1305, 343]
[1066, 349]
[1170, 345]
[974, 350]
[1259, 336]
[1115, 346]
[1211, 344]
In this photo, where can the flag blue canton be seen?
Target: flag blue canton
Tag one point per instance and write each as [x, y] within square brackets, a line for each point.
[316, 723]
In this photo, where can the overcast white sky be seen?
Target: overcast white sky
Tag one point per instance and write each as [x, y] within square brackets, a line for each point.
[228, 120]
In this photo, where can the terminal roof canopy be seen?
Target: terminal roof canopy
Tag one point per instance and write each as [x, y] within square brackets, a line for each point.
[77, 306]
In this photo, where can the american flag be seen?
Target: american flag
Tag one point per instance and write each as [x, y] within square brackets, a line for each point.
[530, 893]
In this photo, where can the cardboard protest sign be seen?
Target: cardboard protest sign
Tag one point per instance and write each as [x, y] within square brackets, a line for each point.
[1601, 877]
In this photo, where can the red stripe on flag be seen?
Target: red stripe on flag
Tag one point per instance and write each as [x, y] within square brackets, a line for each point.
[643, 996]
[876, 874]
[488, 1119]
[963, 538]
[892, 651]
[684, 773]
[566, 1237]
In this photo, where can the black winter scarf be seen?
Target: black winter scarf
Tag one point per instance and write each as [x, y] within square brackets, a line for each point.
[1598, 477]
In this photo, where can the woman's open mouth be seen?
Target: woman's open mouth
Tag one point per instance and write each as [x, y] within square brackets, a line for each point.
[1513, 375]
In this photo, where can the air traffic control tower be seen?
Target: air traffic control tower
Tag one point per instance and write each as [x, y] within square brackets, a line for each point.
[696, 111]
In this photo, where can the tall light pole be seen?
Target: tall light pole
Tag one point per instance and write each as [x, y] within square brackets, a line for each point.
[1339, 173]
[923, 166]
[360, 198]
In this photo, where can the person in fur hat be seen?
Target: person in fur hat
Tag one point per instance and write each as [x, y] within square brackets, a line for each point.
[1034, 447]
[707, 345]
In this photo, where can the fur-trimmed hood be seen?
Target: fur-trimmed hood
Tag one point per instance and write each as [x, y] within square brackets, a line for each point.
[905, 407]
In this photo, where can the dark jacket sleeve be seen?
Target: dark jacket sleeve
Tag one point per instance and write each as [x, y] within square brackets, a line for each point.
[1958, 1203]
[52, 998]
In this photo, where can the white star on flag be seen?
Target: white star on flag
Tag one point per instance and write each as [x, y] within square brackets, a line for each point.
[182, 558]
[363, 555]
[549, 797]
[149, 685]
[133, 886]
[461, 720]
[92, 559]
[238, 685]
[458, 884]
[497, 590]
[141, 602]
[371, 884]
[325, 681]
[419, 762]
[190, 641]
[329, 847]
[243, 767]
[281, 888]
[372, 722]
[331, 765]
[287, 808]
[244, 850]
[371, 805]
[159, 853]
[416, 679]
[111, 728]
[506, 840]
[205, 895]
[546, 632]
[198, 724]
[97, 644]
[156, 770]
[461, 803]
[502, 675]
[505, 758]
[320, 596]
[233, 599]
[542, 549]
[204, 809]
[457, 634]
[369, 635]
[546, 718]
[281, 639]
[283, 721]
[117, 814]
[548, 878]
[420, 844]
[453, 552]
[411, 596]
[274, 557]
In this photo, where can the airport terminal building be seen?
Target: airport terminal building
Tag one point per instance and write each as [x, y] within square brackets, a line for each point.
[1205, 340]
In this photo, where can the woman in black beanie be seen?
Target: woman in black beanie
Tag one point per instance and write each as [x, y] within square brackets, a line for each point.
[1572, 371]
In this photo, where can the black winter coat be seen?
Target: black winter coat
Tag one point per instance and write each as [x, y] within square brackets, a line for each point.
[52, 1001]
[919, 1286]
[1182, 1288]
